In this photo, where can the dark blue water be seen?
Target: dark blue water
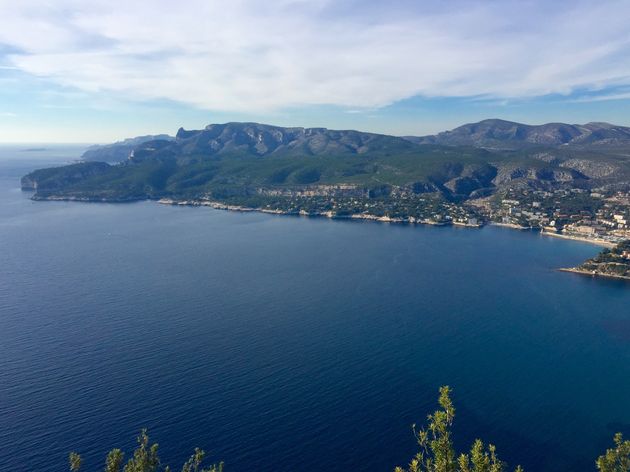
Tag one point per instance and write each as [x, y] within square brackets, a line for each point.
[284, 343]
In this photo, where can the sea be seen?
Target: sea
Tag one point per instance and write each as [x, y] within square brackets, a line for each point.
[285, 343]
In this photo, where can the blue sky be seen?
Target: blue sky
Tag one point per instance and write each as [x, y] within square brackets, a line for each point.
[99, 71]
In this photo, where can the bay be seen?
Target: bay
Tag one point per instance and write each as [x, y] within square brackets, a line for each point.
[286, 343]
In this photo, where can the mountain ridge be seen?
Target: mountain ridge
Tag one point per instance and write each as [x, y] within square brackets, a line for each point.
[253, 159]
[510, 135]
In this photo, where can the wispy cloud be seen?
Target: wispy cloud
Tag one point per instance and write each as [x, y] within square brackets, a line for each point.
[237, 55]
[602, 98]
[7, 114]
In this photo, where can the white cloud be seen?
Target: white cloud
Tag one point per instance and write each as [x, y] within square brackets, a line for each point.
[247, 55]
[603, 98]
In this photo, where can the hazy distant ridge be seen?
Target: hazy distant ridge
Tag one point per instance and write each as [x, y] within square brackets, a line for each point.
[501, 134]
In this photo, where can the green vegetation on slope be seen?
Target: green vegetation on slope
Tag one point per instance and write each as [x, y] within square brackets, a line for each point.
[198, 175]
[247, 158]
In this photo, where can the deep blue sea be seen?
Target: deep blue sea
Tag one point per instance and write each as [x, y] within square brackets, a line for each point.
[286, 343]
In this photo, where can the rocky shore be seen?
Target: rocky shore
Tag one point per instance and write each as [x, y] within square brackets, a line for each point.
[327, 214]
[71, 198]
[575, 270]
[611, 263]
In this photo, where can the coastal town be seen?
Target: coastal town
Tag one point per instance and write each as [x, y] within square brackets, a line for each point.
[593, 216]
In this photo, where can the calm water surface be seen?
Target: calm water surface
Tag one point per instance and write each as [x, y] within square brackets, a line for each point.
[284, 343]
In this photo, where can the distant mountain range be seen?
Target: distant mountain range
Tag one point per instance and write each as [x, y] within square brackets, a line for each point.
[245, 159]
[500, 134]
[252, 139]
[260, 140]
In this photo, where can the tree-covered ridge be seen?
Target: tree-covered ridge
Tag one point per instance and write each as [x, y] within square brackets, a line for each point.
[250, 158]
[158, 173]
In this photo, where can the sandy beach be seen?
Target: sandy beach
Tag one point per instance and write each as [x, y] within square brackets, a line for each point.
[598, 242]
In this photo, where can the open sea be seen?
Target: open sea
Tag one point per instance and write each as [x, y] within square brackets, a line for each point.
[283, 343]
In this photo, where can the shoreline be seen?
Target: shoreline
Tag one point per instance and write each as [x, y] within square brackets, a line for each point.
[327, 214]
[574, 270]
[597, 242]
[54, 198]
[363, 216]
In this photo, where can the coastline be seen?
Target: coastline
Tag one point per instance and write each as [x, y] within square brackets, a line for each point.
[55, 198]
[327, 214]
[358, 216]
[575, 270]
[597, 242]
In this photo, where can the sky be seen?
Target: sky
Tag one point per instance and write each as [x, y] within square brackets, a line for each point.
[95, 71]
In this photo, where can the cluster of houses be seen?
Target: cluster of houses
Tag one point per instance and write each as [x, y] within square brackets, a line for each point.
[573, 212]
